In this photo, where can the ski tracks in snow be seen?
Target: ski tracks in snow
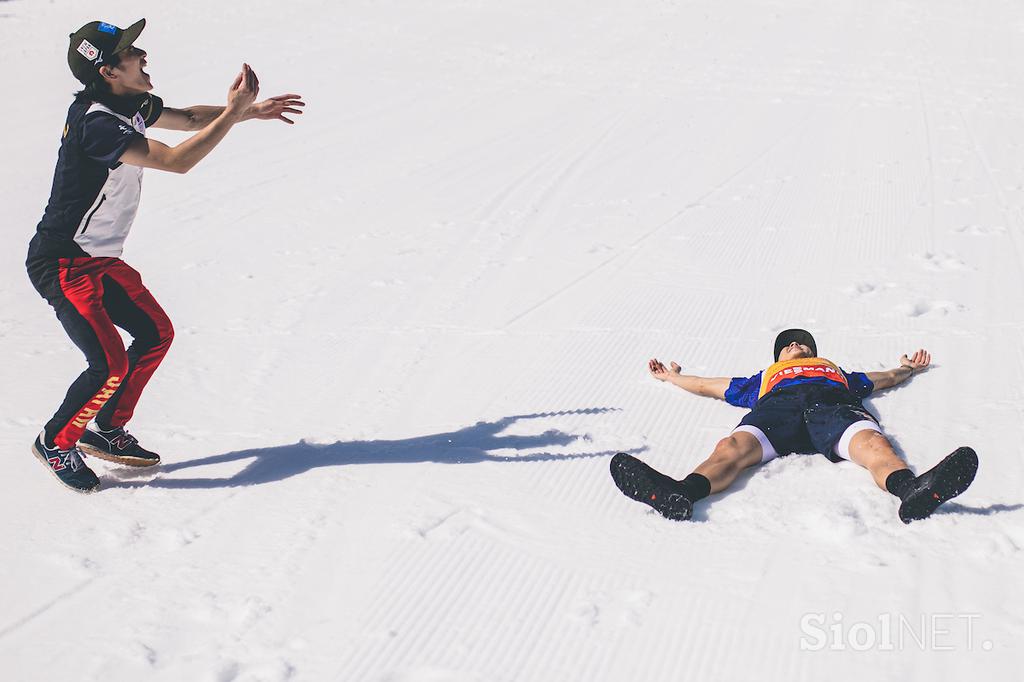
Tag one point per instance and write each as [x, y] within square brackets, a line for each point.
[632, 248]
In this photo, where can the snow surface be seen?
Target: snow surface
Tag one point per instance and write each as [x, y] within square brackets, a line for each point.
[412, 329]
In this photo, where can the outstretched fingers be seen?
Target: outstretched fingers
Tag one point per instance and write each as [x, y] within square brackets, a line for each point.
[289, 110]
[277, 106]
[919, 360]
[660, 372]
[656, 369]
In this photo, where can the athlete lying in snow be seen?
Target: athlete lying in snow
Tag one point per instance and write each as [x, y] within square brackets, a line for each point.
[801, 404]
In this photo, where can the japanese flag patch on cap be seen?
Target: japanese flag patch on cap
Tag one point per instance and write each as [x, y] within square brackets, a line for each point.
[88, 50]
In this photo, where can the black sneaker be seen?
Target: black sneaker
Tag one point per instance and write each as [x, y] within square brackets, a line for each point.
[943, 482]
[117, 445]
[645, 484]
[67, 466]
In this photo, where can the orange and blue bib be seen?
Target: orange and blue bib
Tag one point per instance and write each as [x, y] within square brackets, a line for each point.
[746, 391]
[801, 368]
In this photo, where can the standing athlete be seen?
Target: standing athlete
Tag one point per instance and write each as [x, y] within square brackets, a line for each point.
[800, 404]
[74, 259]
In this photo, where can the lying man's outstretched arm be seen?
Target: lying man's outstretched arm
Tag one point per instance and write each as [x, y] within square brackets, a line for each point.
[710, 387]
[908, 366]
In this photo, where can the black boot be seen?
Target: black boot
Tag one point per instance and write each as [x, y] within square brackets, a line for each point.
[644, 484]
[943, 482]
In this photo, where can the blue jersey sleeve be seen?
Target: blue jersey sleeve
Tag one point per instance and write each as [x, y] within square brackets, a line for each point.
[859, 383]
[742, 391]
[105, 137]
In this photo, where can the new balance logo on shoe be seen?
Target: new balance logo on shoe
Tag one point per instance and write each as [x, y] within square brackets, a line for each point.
[66, 459]
[122, 441]
[117, 445]
[67, 465]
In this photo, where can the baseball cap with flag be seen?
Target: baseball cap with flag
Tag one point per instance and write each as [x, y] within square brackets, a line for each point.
[93, 44]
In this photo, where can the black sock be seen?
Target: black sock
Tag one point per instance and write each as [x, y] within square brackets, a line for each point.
[900, 483]
[695, 487]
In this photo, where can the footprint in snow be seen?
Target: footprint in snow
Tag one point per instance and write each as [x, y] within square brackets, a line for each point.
[980, 230]
[621, 608]
[453, 524]
[942, 262]
[866, 289]
[931, 308]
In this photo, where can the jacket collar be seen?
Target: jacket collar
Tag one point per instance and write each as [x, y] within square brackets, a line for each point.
[126, 105]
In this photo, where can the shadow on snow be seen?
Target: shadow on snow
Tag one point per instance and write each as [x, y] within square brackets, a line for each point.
[470, 445]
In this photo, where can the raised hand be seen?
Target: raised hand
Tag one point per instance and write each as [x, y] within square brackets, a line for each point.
[243, 92]
[275, 108]
[660, 372]
[918, 360]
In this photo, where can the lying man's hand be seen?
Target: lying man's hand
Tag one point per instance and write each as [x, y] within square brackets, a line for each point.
[920, 360]
[660, 372]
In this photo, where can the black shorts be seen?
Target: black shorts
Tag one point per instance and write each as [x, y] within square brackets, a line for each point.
[806, 418]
